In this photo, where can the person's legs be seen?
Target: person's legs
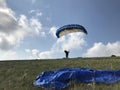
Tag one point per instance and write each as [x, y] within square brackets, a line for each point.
[67, 55]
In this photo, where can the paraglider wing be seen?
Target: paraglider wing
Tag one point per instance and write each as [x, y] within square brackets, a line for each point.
[70, 29]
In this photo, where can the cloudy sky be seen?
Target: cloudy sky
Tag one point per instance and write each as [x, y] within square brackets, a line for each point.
[27, 28]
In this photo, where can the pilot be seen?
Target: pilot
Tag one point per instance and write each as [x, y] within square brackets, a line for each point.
[66, 53]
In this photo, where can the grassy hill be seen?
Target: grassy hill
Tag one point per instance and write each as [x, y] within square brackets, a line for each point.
[19, 75]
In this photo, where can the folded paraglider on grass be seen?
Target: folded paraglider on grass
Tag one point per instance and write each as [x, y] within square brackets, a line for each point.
[60, 78]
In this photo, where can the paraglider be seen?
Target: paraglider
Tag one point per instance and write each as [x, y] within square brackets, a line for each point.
[67, 29]
[70, 29]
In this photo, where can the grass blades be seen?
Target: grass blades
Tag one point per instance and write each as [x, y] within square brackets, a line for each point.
[19, 75]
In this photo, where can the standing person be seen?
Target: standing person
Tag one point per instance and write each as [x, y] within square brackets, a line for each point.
[66, 53]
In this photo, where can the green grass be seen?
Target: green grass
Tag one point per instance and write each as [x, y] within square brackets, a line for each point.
[19, 75]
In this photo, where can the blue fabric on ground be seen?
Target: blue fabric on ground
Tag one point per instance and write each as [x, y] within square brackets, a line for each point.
[58, 79]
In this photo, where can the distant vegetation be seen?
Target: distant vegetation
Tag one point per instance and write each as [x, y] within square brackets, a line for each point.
[19, 75]
[113, 55]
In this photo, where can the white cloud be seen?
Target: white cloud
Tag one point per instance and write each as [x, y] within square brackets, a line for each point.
[53, 31]
[45, 55]
[36, 54]
[30, 26]
[100, 49]
[8, 55]
[8, 22]
[36, 25]
[32, 11]
[35, 13]
[73, 41]
[39, 14]
[14, 29]
[2, 3]
[6, 42]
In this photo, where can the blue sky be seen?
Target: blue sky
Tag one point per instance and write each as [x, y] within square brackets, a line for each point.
[27, 28]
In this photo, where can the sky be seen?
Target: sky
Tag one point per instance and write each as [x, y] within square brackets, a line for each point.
[28, 27]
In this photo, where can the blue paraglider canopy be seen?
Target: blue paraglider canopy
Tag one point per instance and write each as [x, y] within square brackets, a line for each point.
[70, 28]
[59, 79]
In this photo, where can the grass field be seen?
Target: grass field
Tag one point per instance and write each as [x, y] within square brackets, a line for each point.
[19, 75]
